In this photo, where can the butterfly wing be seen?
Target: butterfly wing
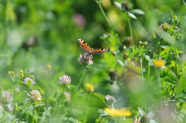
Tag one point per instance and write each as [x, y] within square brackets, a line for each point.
[97, 51]
[83, 45]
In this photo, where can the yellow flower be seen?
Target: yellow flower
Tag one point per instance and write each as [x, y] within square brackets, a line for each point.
[49, 66]
[118, 112]
[22, 75]
[13, 73]
[9, 72]
[21, 71]
[159, 63]
[89, 87]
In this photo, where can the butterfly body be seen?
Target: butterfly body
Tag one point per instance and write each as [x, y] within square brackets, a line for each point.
[84, 46]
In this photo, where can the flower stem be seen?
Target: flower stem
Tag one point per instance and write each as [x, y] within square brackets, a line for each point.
[101, 8]
[130, 28]
[100, 120]
[81, 78]
[141, 66]
[33, 112]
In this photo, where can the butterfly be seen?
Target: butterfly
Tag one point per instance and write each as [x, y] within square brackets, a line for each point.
[84, 46]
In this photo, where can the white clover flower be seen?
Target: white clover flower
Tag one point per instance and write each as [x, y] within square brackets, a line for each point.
[6, 96]
[110, 99]
[17, 89]
[10, 107]
[67, 95]
[86, 59]
[35, 95]
[28, 78]
[64, 79]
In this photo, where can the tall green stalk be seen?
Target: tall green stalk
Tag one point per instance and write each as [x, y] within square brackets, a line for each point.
[33, 112]
[79, 85]
[101, 8]
[130, 27]
[141, 66]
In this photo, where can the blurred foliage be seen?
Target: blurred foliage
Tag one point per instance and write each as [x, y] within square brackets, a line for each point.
[40, 38]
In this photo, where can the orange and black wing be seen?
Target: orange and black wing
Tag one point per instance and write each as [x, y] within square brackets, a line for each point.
[97, 51]
[88, 49]
[84, 46]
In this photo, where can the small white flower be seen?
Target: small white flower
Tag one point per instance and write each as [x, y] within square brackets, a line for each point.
[35, 95]
[17, 89]
[10, 107]
[86, 59]
[64, 79]
[67, 94]
[6, 96]
[110, 99]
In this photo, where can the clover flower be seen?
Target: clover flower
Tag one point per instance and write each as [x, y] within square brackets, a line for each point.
[17, 89]
[89, 87]
[67, 95]
[10, 107]
[79, 20]
[136, 120]
[6, 96]
[29, 79]
[35, 95]
[64, 79]
[118, 112]
[110, 99]
[86, 59]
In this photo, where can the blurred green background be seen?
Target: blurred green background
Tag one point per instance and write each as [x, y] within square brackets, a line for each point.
[34, 34]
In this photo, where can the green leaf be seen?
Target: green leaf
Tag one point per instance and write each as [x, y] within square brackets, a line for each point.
[118, 5]
[171, 76]
[21, 82]
[168, 80]
[134, 68]
[128, 121]
[141, 51]
[17, 108]
[149, 60]
[29, 83]
[137, 11]
[181, 83]
[72, 86]
[184, 2]
[120, 62]
[100, 96]
[135, 49]
[52, 99]
[132, 15]
[102, 112]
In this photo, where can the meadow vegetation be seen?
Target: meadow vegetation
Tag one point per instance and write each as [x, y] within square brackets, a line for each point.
[46, 77]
